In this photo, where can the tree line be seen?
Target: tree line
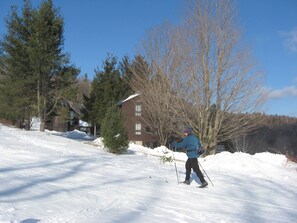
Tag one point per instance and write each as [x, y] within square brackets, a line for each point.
[277, 134]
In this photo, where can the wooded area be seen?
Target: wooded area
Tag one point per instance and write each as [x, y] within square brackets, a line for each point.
[276, 135]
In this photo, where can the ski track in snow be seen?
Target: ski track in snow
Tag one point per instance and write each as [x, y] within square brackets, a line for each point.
[47, 178]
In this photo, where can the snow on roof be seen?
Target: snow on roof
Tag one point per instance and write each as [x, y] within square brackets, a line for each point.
[129, 98]
[84, 124]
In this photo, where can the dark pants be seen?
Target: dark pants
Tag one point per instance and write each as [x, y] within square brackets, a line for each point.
[192, 163]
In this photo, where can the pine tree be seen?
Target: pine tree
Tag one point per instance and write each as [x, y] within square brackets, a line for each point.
[126, 75]
[17, 82]
[54, 73]
[107, 90]
[115, 136]
[38, 74]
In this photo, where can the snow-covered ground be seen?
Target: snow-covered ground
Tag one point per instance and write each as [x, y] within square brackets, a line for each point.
[54, 177]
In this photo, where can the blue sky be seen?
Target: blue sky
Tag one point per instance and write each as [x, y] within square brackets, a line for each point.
[94, 28]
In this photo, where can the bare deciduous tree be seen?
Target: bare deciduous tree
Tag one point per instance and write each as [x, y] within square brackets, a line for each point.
[156, 97]
[225, 84]
[207, 78]
[240, 144]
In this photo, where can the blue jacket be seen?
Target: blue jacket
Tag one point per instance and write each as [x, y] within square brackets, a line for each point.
[190, 143]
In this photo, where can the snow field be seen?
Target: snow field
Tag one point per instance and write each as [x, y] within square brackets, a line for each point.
[54, 177]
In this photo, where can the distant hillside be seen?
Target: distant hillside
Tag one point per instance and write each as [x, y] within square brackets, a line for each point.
[277, 134]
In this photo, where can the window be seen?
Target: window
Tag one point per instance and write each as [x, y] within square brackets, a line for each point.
[71, 122]
[72, 115]
[137, 110]
[137, 129]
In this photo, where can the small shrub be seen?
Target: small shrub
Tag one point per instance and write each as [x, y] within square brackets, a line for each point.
[165, 159]
[114, 133]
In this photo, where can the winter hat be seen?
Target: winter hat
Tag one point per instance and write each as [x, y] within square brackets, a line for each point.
[188, 130]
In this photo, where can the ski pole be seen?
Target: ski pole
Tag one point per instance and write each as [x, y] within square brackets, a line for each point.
[205, 173]
[177, 177]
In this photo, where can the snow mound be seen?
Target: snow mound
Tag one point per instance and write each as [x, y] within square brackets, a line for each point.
[98, 142]
[76, 134]
[161, 151]
[35, 123]
[260, 165]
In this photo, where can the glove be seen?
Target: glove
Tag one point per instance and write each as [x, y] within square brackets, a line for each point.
[200, 151]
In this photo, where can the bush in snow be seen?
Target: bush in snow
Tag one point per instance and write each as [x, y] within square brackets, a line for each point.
[115, 136]
[165, 159]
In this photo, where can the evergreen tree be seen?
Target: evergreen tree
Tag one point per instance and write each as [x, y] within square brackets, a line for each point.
[38, 73]
[54, 73]
[107, 90]
[126, 75]
[115, 136]
[17, 82]
[84, 88]
[141, 71]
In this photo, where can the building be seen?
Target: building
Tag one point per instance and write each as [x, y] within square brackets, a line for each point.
[69, 122]
[133, 119]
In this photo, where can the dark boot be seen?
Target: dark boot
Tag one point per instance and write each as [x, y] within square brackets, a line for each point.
[204, 184]
[187, 182]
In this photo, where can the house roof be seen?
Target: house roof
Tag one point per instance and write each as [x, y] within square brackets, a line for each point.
[74, 106]
[129, 98]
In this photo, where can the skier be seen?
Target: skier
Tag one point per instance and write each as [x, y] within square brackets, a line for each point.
[191, 143]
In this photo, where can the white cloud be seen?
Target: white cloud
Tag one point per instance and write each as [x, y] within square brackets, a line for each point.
[280, 93]
[290, 39]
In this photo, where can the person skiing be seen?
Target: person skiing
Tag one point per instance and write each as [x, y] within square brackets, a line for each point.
[191, 143]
